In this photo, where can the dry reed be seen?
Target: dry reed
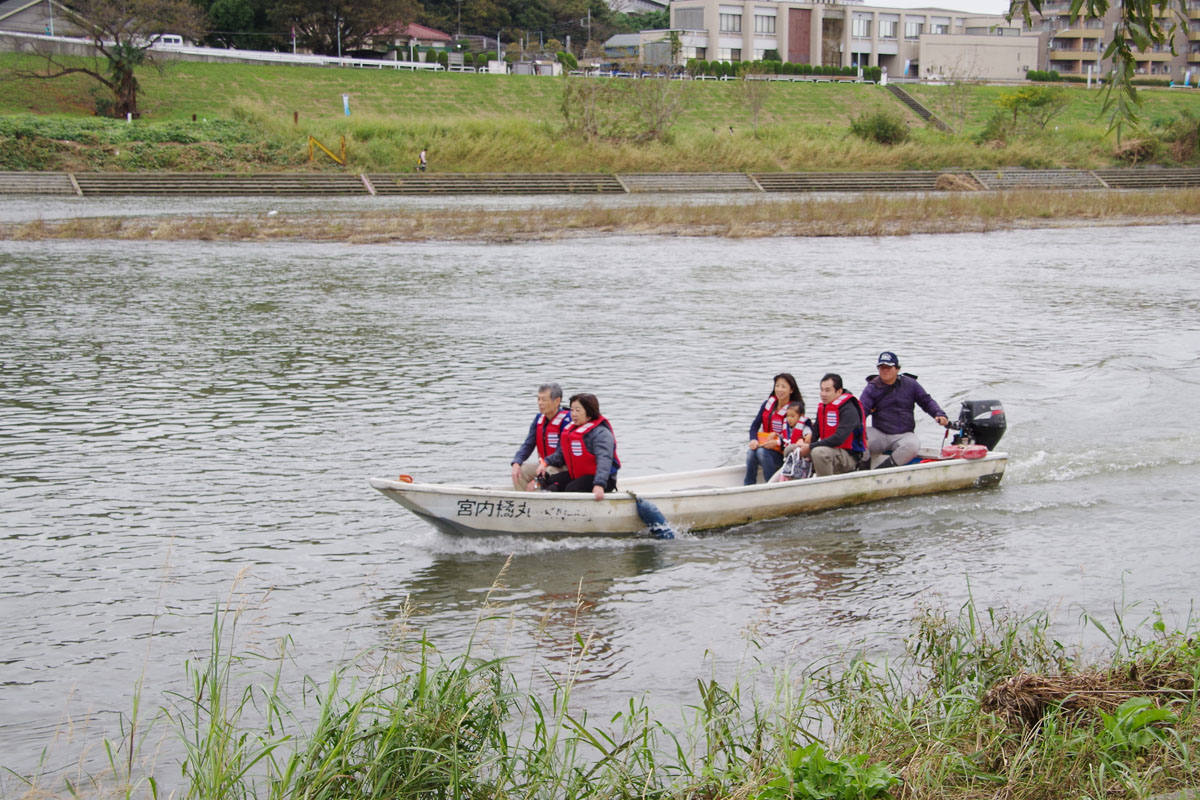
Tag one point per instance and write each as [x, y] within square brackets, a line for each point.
[859, 215]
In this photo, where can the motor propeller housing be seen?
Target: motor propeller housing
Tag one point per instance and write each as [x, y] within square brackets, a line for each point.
[981, 422]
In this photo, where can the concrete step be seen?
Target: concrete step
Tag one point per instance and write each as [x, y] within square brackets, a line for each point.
[920, 110]
[1037, 179]
[494, 183]
[1149, 178]
[178, 183]
[36, 183]
[914, 181]
[690, 182]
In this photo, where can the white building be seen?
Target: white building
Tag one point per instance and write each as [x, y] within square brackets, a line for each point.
[853, 34]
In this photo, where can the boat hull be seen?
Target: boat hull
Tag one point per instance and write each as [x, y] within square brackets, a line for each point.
[695, 501]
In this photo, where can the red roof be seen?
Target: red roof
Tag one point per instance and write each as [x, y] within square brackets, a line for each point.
[414, 31]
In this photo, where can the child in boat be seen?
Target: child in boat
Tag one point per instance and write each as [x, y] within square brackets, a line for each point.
[796, 429]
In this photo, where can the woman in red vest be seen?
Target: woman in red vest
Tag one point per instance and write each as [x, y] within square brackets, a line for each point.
[769, 420]
[588, 449]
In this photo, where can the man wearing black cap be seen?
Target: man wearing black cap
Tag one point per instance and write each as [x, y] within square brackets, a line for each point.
[888, 400]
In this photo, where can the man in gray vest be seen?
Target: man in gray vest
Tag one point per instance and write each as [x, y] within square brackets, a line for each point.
[543, 436]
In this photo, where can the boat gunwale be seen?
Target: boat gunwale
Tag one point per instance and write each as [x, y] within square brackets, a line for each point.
[386, 485]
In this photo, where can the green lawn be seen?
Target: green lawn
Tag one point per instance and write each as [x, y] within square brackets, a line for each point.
[276, 91]
[486, 123]
[968, 111]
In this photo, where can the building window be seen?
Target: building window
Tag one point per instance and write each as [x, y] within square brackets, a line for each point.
[690, 19]
[887, 28]
[940, 29]
[729, 54]
[764, 24]
[731, 23]
[913, 30]
[861, 28]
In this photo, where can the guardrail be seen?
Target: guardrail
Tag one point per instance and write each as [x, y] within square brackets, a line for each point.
[242, 55]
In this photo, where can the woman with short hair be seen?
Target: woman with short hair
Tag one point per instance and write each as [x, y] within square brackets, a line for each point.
[588, 450]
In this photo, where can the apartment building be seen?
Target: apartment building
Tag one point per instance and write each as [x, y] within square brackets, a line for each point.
[850, 33]
[1071, 47]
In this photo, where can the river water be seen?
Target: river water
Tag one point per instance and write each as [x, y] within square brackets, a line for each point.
[183, 421]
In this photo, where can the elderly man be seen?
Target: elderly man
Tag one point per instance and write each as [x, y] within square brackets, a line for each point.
[840, 427]
[544, 432]
[888, 400]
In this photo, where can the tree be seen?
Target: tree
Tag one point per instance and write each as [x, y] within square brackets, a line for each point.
[122, 33]
[754, 88]
[634, 110]
[332, 27]
[230, 20]
[656, 105]
[1143, 24]
[1037, 104]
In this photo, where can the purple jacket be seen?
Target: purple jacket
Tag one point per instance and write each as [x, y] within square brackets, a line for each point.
[891, 407]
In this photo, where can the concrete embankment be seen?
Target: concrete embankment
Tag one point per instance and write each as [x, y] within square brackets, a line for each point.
[90, 184]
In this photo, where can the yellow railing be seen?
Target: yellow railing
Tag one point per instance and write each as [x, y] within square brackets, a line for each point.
[313, 143]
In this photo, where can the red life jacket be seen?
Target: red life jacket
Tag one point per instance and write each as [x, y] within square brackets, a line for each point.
[828, 415]
[548, 432]
[772, 415]
[579, 460]
[792, 435]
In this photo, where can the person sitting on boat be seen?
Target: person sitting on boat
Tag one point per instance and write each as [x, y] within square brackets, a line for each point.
[543, 436]
[843, 441]
[769, 420]
[796, 429]
[889, 399]
[588, 450]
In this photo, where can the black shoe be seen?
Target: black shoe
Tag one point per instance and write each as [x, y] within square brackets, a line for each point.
[887, 462]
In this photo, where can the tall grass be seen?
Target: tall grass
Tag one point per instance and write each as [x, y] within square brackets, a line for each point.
[977, 703]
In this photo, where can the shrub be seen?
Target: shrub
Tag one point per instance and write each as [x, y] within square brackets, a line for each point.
[567, 60]
[1180, 136]
[880, 126]
[873, 74]
[443, 58]
[804, 69]
[996, 129]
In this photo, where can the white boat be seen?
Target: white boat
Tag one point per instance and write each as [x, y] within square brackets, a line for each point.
[693, 501]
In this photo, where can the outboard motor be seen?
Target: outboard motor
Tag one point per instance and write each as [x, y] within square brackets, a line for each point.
[980, 422]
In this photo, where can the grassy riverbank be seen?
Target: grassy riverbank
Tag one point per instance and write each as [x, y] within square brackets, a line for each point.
[981, 704]
[485, 123]
[865, 215]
